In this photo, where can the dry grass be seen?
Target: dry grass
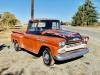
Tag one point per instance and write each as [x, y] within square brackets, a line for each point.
[92, 27]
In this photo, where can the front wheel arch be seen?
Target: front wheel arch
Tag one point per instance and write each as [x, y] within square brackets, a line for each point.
[42, 49]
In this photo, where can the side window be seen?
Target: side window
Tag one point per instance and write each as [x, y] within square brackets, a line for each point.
[32, 27]
[55, 25]
[41, 26]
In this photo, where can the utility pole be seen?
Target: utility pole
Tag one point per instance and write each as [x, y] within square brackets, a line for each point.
[32, 8]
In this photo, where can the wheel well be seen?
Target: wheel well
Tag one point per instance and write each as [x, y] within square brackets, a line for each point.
[42, 49]
[14, 41]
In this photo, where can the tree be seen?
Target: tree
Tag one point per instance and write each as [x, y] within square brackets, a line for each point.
[0, 21]
[8, 20]
[86, 15]
[0, 16]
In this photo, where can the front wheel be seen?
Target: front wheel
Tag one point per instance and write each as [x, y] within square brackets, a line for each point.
[47, 58]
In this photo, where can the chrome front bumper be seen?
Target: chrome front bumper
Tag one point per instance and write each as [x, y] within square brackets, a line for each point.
[71, 55]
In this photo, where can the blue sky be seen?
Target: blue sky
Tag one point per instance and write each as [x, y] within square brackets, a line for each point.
[59, 9]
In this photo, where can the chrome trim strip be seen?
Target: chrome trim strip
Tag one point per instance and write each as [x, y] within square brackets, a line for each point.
[72, 55]
[71, 48]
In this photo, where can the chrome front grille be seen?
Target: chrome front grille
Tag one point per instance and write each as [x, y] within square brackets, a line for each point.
[73, 44]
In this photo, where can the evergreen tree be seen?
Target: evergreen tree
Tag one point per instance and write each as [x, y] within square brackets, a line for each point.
[86, 15]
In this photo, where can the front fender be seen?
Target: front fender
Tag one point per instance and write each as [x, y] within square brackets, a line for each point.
[53, 49]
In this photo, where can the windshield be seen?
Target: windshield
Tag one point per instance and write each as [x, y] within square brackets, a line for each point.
[43, 25]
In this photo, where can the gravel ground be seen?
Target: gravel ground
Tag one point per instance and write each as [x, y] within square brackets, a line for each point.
[23, 63]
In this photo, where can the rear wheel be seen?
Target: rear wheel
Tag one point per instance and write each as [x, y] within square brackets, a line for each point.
[16, 46]
[47, 58]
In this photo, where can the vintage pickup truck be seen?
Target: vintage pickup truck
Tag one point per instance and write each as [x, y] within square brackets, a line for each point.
[45, 37]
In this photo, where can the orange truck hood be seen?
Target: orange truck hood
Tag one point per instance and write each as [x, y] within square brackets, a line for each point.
[64, 34]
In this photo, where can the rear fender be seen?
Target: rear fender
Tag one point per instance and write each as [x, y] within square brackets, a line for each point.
[17, 38]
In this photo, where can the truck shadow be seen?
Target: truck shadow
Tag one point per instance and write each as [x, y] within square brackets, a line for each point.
[67, 61]
[3, 46]
[56, 62]
[35, 55]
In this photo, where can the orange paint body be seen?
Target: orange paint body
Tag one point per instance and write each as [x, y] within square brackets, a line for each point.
[33, 43]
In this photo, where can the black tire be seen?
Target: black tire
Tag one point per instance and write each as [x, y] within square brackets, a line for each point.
[16, 46]
[47, 58]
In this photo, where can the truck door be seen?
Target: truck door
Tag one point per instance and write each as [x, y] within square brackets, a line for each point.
[32, 38]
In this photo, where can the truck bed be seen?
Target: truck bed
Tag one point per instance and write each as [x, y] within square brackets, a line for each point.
[18, 36]
[19, 31]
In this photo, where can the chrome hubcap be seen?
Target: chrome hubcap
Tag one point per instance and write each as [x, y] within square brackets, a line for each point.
[46, 57]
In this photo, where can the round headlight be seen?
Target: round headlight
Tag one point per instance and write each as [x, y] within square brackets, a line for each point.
[85, 40]
[62, 44]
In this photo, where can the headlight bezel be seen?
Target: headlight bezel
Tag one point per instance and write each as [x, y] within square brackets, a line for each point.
[62, 44]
